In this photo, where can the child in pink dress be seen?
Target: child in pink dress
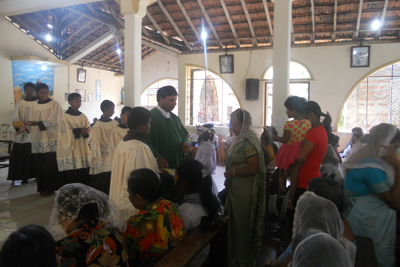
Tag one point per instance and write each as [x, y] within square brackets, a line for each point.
[293, 135]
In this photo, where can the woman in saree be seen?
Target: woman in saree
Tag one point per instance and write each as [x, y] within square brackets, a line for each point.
[246, 187]
[372, 184]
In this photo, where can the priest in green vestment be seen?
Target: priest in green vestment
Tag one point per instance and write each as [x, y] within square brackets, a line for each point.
[168, 138]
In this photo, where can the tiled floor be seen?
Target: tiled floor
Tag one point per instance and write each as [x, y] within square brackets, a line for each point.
[21, 205]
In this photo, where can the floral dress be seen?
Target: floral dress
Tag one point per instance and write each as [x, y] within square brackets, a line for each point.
[93, 245]
[153, 232]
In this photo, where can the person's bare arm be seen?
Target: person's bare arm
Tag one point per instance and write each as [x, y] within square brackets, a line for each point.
[251, 169]
[392, 197]
[284, 139]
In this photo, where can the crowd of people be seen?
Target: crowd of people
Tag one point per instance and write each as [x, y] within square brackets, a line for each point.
[126, 193]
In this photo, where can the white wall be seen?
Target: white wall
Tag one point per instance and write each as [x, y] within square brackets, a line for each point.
[110, 89]
[156, 67]
[330, 67]
[13, 42]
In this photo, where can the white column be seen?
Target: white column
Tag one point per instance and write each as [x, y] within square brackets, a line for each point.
[133, 11]
[281, 61]
[182, 97]
[133, 59]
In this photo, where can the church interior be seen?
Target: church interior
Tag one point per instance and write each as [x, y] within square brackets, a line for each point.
[219, 55]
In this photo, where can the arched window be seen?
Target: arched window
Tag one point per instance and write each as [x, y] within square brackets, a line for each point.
[149, 95]
[209, 99]
[375, 100]
[300, 79]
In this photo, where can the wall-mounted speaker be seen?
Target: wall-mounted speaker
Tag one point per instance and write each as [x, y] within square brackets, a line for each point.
[252, 86]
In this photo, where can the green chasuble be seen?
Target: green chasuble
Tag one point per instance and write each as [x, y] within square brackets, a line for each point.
[166, 137]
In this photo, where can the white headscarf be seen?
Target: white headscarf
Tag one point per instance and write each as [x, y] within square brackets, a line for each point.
[369, 146]
[71, 198]
[320, 249]
[245, 131]
[314, 212]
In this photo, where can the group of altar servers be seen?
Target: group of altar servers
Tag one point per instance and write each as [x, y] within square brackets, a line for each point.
[59, 148]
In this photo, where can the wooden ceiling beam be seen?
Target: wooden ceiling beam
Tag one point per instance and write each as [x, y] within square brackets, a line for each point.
[37, 24]
[360, 6]
[95, 27]
[90, 16]
[266, 9]
[144, 30]
[100, 52]
[228, 17]
[113, 13]
[160, 31]
[210, 24]
[78, 30]
[189, 20]
[174, 25]
[72, 22]
[333, 37]
[312, 20]
[112, 59]
[378, 32]
[92, 9]
[26, 27]
[246, 12]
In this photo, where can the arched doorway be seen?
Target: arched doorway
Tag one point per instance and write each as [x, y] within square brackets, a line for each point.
[149, 96]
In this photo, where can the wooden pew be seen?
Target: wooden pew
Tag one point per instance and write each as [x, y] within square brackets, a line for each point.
[188, 249]
[365, 256]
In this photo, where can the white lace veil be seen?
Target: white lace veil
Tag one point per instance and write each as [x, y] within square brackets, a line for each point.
[245, 131]
[71, 198]
[314, 212]
[369, 146]
[320, 249]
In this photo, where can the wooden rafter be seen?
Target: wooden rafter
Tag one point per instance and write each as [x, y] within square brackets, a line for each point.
[360, 7]
[92, 9]
[113, 13]
[38, 24]
[228, 17]
[246, 12]
[90, 16]
[313, 21]
[188, 19]
[95, 27]
[174, 25]
[31, 31]
[78, 30]
[333, 36]
[293, 36]
[271, 30]
[157, 27]
[100, 52]
[145, 31]
[112, 59]
[210, 24]
[378, 32]
[72, 22]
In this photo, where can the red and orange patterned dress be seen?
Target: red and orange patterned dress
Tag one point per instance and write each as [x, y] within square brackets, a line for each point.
[153, 232]
[93, 245]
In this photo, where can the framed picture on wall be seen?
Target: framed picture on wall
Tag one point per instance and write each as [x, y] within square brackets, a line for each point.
[226, 64]
[90, 97]
[82, 92]
[81, 75]
[360, 56]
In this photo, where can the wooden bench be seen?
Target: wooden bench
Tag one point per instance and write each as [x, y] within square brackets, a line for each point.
[365, 256]
[192, 245]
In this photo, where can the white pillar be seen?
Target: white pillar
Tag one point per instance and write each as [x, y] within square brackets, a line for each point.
[133, 11]
[133, 59]
[281, 61]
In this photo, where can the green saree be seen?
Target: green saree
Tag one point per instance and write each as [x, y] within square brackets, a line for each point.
[246, 204]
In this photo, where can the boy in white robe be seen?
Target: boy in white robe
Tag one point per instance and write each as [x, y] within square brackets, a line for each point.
[72, 150]
[45, 118]
[131, 153]
[119, 132]
[100, 165]
[22, 166]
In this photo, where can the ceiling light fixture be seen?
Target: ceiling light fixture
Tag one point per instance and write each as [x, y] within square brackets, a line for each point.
[204, 35]
[376, 24]
[50, 26]
[119, 51]
[44, 67]
[48, 37]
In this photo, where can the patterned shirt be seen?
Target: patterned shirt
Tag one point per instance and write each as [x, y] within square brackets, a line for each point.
[93, 245]
[297, 129]
[153, 232]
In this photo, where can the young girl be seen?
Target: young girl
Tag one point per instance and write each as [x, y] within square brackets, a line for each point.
[206, 152]
[131, 153]
[157, 228]
[194, 180]
[294, 132]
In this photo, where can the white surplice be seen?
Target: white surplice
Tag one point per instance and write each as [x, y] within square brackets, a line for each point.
[129, 156]
[100, 135]
[116, 135]
[23, 112]
[49, 114]
[72, 154]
